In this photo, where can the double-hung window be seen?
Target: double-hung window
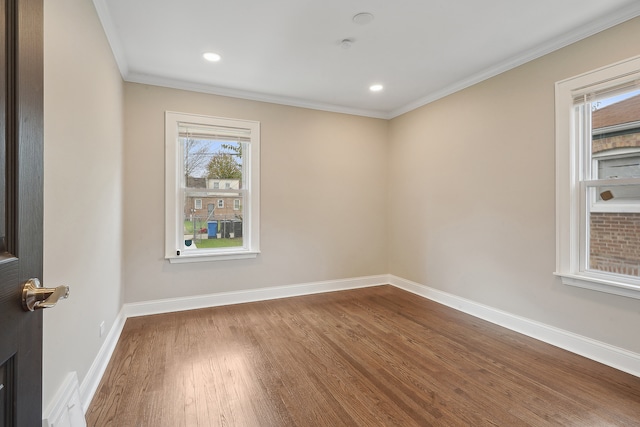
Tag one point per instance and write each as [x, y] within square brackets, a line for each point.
[200, 153]
[598, 179]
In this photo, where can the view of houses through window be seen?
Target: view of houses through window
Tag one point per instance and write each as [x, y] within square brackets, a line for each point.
[212, 188]
[611, 172]
[213, 196]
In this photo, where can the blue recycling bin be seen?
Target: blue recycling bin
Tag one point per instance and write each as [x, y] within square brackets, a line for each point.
[212, 229]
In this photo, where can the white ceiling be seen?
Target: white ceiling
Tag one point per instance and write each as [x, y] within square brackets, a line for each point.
[289, 52]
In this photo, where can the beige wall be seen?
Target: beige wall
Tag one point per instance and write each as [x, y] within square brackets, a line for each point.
[477, 168]
[323, 190]
[83, 148]
[457, 195]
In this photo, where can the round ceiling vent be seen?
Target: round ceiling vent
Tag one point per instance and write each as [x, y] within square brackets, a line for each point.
[363, 18]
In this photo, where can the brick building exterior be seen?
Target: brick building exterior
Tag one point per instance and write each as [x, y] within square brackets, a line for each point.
[214, 206]
[615, 236]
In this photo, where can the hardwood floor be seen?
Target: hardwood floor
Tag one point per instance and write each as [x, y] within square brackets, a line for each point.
[369, 357]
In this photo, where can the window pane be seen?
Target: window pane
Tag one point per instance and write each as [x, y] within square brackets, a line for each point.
[615, 124]
[614, 230]
[614, 244]
[212, 164]
[619, 194]
[212, 169]
[213, 226]
[615, 148]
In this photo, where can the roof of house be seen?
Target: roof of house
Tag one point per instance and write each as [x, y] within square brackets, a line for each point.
[625, 111]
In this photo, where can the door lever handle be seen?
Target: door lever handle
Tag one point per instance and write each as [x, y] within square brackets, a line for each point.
[35, 297]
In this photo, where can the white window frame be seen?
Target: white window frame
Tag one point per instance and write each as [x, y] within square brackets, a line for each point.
[196, 203]
[175, 249]
[220, 204]
[571, 192]
[236, 204]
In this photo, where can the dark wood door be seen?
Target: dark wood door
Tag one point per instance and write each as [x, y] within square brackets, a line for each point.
[21, 139]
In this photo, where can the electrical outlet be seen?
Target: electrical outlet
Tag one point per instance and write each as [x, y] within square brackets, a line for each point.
[101, 328]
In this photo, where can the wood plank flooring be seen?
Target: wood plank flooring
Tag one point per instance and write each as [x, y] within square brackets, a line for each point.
[369, 357]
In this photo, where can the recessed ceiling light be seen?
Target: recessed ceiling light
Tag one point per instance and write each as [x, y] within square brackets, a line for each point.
[363, 18]
[212, 57]
[376, 88]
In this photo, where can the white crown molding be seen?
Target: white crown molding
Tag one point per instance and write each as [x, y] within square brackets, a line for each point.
[583, 32]
[571, 37]
[252, 96]
[112, 35]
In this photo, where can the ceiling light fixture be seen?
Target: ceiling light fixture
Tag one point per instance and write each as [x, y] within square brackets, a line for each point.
[211, 57]
[376, 88]
[363, 18]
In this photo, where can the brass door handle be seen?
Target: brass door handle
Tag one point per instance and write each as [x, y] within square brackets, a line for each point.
[35, 297]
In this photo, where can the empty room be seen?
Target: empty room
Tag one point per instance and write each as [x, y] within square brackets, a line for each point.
[327, 213]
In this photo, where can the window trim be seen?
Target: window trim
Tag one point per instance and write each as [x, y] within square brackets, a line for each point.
[569, 197]
[197, 202]
[174, 209]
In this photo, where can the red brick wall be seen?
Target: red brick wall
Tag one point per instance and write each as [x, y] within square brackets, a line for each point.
[220, 213]
[615, 243]
[620, 141]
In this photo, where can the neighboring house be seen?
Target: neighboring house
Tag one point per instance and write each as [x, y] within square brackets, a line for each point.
[615, 223]
[214, 206]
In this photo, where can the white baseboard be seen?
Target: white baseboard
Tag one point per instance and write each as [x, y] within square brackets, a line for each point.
[66, 408]
[615, 357]
[604, 353]
[262, 294]
[91, 381]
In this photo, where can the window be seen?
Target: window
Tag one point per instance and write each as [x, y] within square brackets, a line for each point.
[236, 204]
[201, 152]
[598, 179]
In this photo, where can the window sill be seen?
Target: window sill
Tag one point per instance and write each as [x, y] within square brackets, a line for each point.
[211, 256]
[607, 285]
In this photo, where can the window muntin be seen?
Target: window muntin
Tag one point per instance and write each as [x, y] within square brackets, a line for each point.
[598, 179]
[212, 160]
